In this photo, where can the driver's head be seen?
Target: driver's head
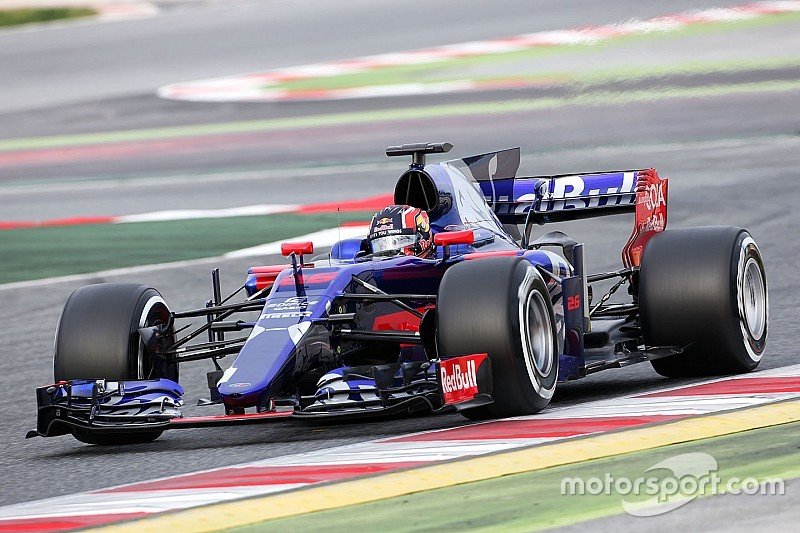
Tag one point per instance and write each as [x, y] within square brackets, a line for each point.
[400, 229]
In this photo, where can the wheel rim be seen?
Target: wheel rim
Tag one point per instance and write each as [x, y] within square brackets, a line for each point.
[754, 301]
[538, 334]
[153, 314]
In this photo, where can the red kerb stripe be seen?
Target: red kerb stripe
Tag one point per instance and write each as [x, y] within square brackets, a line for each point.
[535, 428]
[365, 204]
[77, 221]
[64, 523]
[774, 385]
[262, 475]
[73, 221]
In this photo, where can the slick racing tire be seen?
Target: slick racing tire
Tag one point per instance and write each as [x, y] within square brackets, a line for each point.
[704, 288]
[500, 306]
[97, 338]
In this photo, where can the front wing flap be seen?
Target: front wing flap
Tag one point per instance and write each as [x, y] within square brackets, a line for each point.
[402, 388]
[106, 406]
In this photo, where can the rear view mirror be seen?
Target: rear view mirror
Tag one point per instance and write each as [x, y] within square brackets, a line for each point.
[299, 248]
[446, 238]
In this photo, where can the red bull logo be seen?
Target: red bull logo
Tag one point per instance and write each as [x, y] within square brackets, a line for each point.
[459, 377]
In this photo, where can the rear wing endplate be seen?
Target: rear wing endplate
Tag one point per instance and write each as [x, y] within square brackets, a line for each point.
[651, 215]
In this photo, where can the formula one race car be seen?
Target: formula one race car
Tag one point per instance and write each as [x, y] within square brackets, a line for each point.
[487, 324]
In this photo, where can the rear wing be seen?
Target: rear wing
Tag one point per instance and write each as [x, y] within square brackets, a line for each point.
[572, 197]
[544, 199]
[563, 197]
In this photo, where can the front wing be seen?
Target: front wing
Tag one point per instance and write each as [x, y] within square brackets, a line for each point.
[99, 406]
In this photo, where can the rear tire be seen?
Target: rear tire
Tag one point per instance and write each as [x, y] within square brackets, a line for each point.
[98, 338]
[501, 306]
[706, 288]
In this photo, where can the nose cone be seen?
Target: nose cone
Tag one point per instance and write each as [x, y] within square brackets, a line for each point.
[267, 361]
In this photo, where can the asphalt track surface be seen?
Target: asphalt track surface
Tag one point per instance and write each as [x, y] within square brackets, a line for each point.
[68, 65]
[732, 160]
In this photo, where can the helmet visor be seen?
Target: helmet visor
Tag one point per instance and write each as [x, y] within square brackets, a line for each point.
[392, 244]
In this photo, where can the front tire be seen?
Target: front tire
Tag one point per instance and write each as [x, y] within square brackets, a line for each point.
[501, 307]
[704, 288]
[98, 338]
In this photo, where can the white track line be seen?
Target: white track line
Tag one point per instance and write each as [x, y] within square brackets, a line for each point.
[322, 238]
[192, 214]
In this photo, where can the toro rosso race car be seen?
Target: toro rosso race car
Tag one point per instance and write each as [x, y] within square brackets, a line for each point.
[487, 323]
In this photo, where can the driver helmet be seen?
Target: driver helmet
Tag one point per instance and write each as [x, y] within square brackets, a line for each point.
[400, 229]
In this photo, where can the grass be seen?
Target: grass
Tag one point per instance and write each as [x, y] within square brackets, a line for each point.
[33, 253]
[533, 501]
[16, 17]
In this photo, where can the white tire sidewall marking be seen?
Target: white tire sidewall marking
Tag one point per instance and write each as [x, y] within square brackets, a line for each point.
[747, 244]
[535, 378]
[152, 302]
